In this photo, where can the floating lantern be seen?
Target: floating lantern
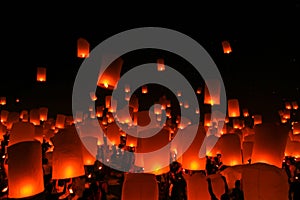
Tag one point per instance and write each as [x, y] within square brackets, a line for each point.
[27, 179]
[161, 65]
[67, 154]
[144, 89]
[93, 96]
[127, 88]
[295, 105]
[111, 75]
[226, 47]
[60, 121]
[41, 74]
[296, 128]
[212, 97]
[257, 119]
[34, 116]
[207, 119]
[269, 144]
[83, 48]
[245, 112]
[113, 134]
[199, 90]
[233, 108]
[21, 132]
[2, 101]
[22, 113]
[43, 114]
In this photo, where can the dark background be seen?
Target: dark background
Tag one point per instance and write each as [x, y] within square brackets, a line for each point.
[262, 71]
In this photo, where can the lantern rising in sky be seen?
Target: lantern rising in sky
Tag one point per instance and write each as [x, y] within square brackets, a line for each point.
[2, 101]
[160, 65]
[41, 74]
[226, 47]
[83, 48]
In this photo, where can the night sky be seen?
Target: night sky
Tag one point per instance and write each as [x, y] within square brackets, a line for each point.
[262, 71]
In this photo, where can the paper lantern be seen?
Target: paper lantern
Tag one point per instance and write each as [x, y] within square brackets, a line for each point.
[161, 65]
[4, 115]
[144, 89]
[140, 186]
[22, 113]
[21, 132]
[2, 101]
[257, 119]
[207, 119]
[259, 181]
[60, 121]
[226, 47]
[93, 96]
[245, 112]
[110, 77]
[233, 108]
[83, 48]
[89, 150]
[295, 105]
[292, 148]
[212, 96]
[67, 154]
[25, 172]
[269, 144]
[41, 74]
[296, 128]
[199, 90]
[34, 116]
[190, 158]
[43, 114]
[197, 186]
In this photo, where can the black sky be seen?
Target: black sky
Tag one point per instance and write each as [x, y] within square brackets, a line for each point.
[262, 71]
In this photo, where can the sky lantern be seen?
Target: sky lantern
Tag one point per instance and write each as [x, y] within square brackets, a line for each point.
[190, 159]
[41, 74]
[131, 140]
[140, 186]
[3, 130]
[22, 113]
[60, 121]
[2, 101]
[296, 128]
[161, 65]
[292, 148]
[4, 115]
[269, 144]
[212, 97]
[34, 116]
[99, 111]
[286, 114]
[197, 186]
[144, 89]
[226, 47]
[25, 172]
[259, 181]
[288, 106]
[110, 77]
[93, 96]
[89, 157]
[67, 154]
[295, 105]
[245, 112]
[207, 119]
[43, 113]
[257, 119]
[83, 48]
[199, 90]
[113, 134]
[21, 132]
[233, 108]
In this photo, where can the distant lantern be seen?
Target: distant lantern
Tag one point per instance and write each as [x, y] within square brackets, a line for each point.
[60, 121]
[295, 105]
[99, 111]
[131, 141]
[108, 101]
[25, 180]
[212, 94]
[34, 116]
[245, 112]
[2, 101]
[296, 128]
[23, 113]
[144, 89]
[83, 48]
[226, 47]
[286, 114]
[113, 134]
[257, 119]
[93, 96]
[233, 108]
[288, 106]
[207, 119]
[199, 90]
[43, 113]
[111, 75]
[160, 65]
[269, 143]
[41, 74]
[127, 88]
[67, 154]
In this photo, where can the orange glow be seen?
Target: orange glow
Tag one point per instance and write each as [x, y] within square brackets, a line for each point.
[17, 100]
[295, 105]
[226, 47]
[83, 48]
[160, 65]
[93, 96]
[212, 97]
[26, 190]
[105, 84]
[233, 108]
[199, 90]
[144, 89]
[41, 74]
[2, 101]
[194, 165]
[245, 112]
[288, 105]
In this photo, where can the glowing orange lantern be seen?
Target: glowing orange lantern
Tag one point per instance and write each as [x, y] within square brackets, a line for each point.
[99, 111]
[2, 101]
[233, 108]
[257, 119]
[22, 113]
[43, 114]
[226, 47]
[83, 48]
[212, 97]
[67, 154]
[111, 75]
[34, 116]
[161, 65]
[288, 106]
[144, 89]
[296, 128]
[269, 143]
[41, 74]
[25, 180]
[207, 119]
[245, 112]
[20, 132]
[295, 105]
[60, 121]
[113, 134]
[93, 96]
